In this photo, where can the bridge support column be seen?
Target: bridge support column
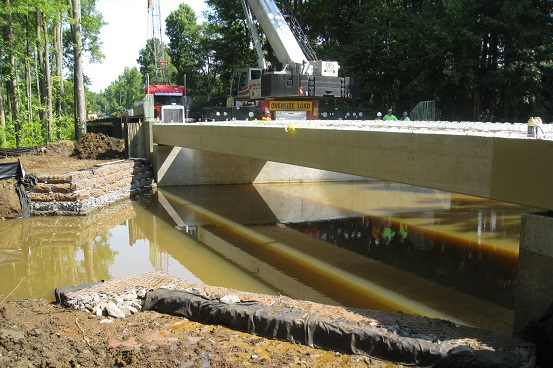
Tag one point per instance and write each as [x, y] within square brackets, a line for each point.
[534, 280]
[139, 139]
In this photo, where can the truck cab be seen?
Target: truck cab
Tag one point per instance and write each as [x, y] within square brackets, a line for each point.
[169, 102]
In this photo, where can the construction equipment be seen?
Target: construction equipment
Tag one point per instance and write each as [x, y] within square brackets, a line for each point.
[302, 87]
[163, 102]
[159, 56]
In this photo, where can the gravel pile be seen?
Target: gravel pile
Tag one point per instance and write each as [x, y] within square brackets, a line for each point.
[108, 304]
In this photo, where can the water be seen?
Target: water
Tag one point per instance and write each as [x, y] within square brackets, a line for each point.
[372, 245]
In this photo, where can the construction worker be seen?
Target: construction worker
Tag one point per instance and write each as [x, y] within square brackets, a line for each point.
[405, 116]
[533, 124]
[378, 116]
[267, 115]
[390, 115]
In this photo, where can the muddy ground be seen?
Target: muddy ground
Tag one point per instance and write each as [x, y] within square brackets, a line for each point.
[35, 333]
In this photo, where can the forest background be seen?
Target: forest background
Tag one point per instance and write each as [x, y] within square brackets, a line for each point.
[478, 60]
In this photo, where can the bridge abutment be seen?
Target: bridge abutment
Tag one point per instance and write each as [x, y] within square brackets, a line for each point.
[534, 281]
[176, 166]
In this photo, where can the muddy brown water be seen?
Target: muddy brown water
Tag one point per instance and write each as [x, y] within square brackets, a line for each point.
[372, 245]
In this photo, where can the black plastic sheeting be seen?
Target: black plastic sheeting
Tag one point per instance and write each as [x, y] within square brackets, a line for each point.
[297, 326]
[540, 331]
[13, 152]
[9, 170]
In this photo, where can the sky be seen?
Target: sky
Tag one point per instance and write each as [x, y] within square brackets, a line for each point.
[125, 35]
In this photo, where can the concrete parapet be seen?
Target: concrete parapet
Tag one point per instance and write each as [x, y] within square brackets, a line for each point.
[534, 282]
[80, 192]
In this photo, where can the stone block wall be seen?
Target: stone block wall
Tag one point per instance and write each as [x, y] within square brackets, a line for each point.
[80, 192]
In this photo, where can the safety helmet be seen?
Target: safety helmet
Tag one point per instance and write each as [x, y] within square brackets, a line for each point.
[379, 114]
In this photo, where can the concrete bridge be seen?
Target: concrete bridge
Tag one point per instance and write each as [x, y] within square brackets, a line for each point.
[495, 161]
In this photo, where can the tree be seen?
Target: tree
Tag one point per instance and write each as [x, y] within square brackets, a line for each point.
[184, 43]
[58, 50]
[478, 60]
[120, 94]
[80, 105]
[31, 77]
[229, 40]
[149, 65]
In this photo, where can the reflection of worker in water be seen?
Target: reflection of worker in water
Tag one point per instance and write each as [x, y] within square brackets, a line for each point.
[313, 232]
[388, 234]
[403, 232]
[375, 229]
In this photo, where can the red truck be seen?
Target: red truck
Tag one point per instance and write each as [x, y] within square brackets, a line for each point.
[169, 102]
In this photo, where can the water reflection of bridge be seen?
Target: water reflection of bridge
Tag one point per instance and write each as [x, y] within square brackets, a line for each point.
[246, 232]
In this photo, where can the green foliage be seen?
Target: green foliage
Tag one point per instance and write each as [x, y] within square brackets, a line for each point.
[229, 40]
[151, 67]
[92, 21]
[27, 51]
[119, 95]
[479, 60]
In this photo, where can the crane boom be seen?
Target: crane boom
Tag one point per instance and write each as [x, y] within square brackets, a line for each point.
[159, 56]
[284, 42]
[255, 36]
[279, 34]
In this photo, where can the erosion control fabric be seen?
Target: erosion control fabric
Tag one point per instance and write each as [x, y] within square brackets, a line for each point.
[9, 170]
[297, 326]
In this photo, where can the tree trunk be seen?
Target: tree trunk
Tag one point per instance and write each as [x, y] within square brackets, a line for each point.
[2, 110]
[2, 116]
[58, 46]
[28, 78]
[40, 69]
[12, 78]
[80, 108]
[48, 83]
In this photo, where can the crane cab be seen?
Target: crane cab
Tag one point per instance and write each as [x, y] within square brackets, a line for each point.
[246, 84]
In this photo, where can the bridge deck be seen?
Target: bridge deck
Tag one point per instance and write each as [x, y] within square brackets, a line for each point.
[496, 161]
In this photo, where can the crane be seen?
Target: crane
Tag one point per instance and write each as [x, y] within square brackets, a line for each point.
[159, 56]
[303, 87]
